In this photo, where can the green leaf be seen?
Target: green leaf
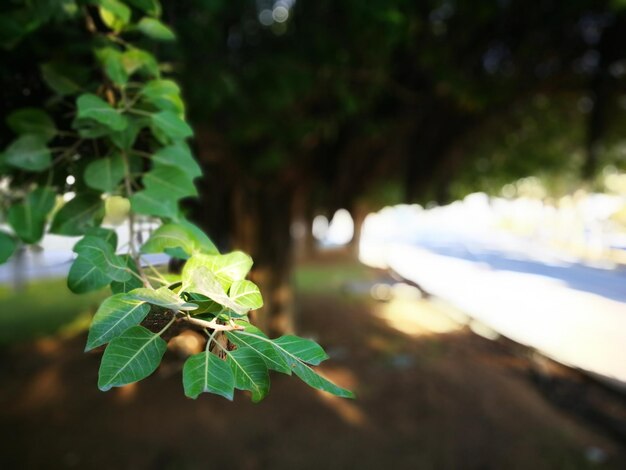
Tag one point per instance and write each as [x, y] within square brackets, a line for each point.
[132, 283]
[92, 107]
[114, 14]
[164, 95]
[105, 174]
[227, 268]
[111, 60]
[125, 139]
[205, 305]
[172, 182]
[304, 349]
[106, 234]
[311, 378]
[32, 121]
[200, 280]
[55, 76]
[115, 315]
[154, 202]
[7, 246]
[96, 266]
[250, 372]
[90, 129]
[287, 349]
[262, 346]
[85, 276]
[100, 253]
[130, 357]
[28, 218]
[177, 155]
[78, 215]
[167, 126]
[154, 29]
[137, 60]
[28, 152]
[171, 236]
[205, 372]
[152, 7]
[163, 297]
[246, 294]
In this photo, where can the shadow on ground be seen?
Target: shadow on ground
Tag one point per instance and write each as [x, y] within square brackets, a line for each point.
[425, 400]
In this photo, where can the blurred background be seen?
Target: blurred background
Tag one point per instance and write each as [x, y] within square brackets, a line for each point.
[433, 190]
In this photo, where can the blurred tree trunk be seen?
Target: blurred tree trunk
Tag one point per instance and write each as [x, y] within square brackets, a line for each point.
[254, 216]
[601, 90]
[359, 212]
[262, 229]
[303, 210]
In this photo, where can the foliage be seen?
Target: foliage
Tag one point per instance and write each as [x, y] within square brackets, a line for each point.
[112, 121]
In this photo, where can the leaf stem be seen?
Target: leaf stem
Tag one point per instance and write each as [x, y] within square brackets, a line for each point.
[167, 326]
[211, 336]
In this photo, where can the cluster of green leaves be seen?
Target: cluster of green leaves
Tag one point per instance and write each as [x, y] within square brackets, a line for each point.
[123, 140]
[212, 293]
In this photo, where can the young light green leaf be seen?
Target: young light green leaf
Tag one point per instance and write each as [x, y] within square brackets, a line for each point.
[78, 215]
[205, 372]
[105, 174]
[200, 280]
[154, 29]
[115, 315]
[92, 107]
[7, 246]
[163, 297]
[171, 236]
[130, 357]
[171, 181]
[114, 14]
[250, 372]
[227, 268]
[28, 152]
[168, 126]
[154, 202]
[177, 155]
[246, 294]
[32, 121]
[28, 218]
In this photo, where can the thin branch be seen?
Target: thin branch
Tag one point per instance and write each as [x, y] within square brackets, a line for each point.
[212, 324]
[158, 274]
[131, 222]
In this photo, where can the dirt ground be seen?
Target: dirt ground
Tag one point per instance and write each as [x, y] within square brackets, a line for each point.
[447, 400]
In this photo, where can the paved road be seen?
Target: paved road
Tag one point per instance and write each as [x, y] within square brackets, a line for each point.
[570, 311]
